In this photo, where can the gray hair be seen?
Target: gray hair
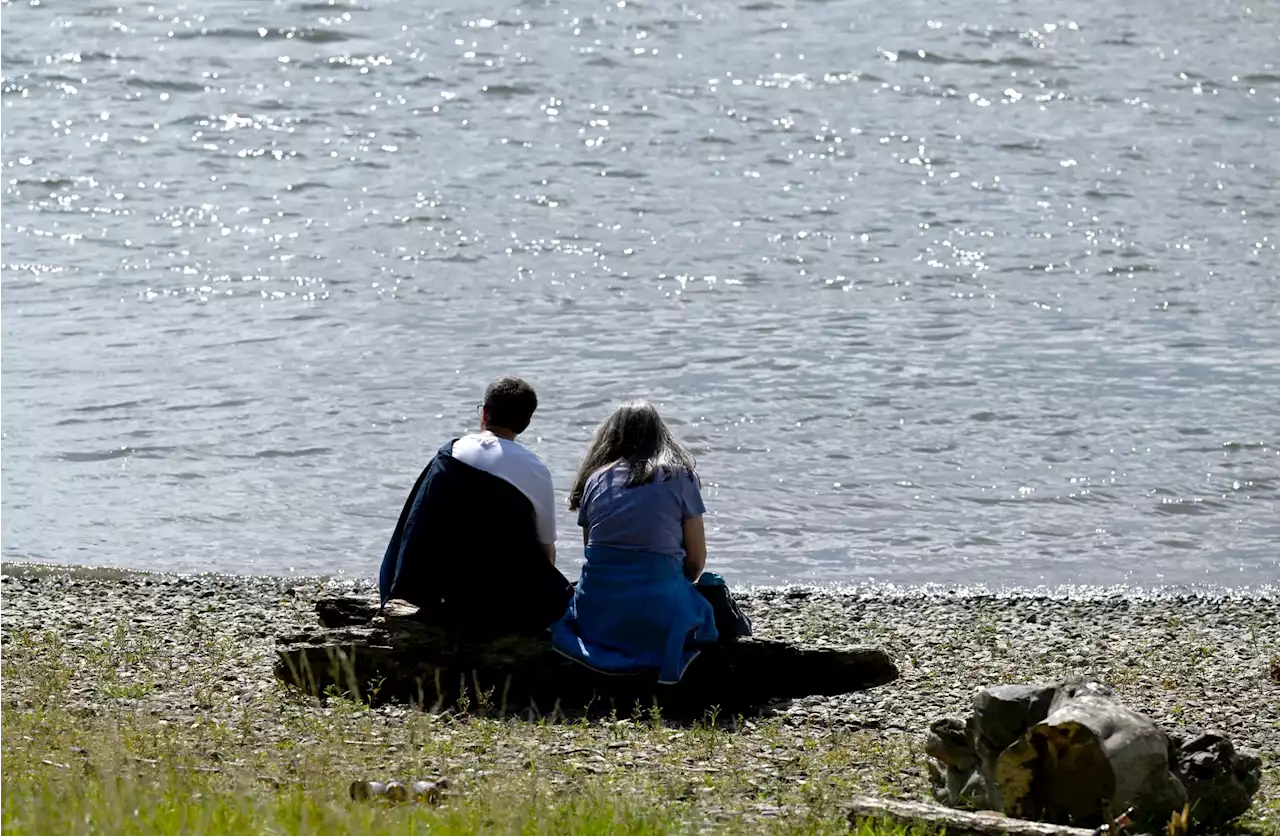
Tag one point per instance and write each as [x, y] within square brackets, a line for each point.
[635, 435]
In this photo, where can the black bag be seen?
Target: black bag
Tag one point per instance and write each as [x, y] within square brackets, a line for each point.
[731, 622]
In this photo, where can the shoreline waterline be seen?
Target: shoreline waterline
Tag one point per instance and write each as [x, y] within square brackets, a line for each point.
[867, 589]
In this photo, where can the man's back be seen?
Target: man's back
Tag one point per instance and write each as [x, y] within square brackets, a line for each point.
[475, 544]
[520, 467]
[466, 551]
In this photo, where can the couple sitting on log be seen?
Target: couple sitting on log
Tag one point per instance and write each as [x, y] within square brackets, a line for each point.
[474, 548]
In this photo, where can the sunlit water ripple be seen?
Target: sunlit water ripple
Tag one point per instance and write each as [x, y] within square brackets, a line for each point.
[940, 293]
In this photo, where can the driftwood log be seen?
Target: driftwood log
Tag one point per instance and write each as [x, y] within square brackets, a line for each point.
[1071, 753]
[395, 656]
[953, 822]
[1087, 752]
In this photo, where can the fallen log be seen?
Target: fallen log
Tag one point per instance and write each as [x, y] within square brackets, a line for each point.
[1090, 751]
[395, 656]
[1067, 753]
[953, 822]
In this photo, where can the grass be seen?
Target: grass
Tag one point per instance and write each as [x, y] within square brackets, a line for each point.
[83, 755]
[129, 773]
[166, 719]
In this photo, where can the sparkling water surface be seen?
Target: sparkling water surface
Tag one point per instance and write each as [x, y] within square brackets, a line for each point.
[938, 292]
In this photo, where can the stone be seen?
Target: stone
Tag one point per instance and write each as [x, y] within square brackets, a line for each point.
[1220, 780]
[948, 742]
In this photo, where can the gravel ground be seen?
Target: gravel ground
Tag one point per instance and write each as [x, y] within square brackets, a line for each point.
[186, 647]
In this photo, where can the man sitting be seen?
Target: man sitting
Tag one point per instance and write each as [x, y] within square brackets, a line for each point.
[475, 545]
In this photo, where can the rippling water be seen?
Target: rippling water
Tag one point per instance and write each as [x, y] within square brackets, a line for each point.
[956, 292]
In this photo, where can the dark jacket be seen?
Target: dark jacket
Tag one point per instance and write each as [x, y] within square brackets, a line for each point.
[466, 552]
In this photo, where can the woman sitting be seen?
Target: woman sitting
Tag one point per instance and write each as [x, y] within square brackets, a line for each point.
[640, 508]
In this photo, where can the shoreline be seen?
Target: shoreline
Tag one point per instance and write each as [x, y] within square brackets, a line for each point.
[859, 589]
[139, 650]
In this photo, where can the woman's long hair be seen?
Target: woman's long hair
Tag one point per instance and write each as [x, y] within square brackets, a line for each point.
[635, 435]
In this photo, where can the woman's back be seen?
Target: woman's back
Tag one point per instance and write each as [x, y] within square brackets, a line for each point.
[639, 504]
[647, 518]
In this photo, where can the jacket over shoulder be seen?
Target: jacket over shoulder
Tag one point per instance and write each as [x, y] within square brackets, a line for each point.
[465, 551]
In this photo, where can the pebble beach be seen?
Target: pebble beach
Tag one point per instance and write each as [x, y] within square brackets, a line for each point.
[189, 649]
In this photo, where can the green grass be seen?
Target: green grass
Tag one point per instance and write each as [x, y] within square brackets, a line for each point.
[127, 773]
[85, 753]
[128, 725]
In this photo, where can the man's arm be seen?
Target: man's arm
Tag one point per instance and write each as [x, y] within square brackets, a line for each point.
[545, 514]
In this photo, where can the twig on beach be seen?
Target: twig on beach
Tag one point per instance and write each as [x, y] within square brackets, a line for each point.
[954, 822]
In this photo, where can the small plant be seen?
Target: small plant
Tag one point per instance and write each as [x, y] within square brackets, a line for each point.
[129, 690]
[373, 688]
[488, 734]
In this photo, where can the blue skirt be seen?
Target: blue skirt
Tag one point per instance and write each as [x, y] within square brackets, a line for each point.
[634, 611]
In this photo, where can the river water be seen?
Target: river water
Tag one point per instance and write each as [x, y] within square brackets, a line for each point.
[949, 292]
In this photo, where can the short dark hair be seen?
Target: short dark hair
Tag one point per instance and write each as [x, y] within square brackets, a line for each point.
[510, 403]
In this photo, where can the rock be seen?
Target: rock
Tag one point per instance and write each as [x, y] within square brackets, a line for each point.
[393, 655]
[1220, 781]
[974, 791]
[948, 741]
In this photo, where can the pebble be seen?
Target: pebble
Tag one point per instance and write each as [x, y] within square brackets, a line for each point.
[1182, 657]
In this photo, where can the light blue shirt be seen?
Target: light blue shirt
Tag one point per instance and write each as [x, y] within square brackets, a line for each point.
[646, 518]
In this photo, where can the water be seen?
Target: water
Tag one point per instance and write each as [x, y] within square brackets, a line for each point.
[939, 292]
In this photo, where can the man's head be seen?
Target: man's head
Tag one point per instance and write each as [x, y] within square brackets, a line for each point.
[509, 404]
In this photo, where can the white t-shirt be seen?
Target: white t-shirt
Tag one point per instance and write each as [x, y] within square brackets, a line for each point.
[514, 463]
